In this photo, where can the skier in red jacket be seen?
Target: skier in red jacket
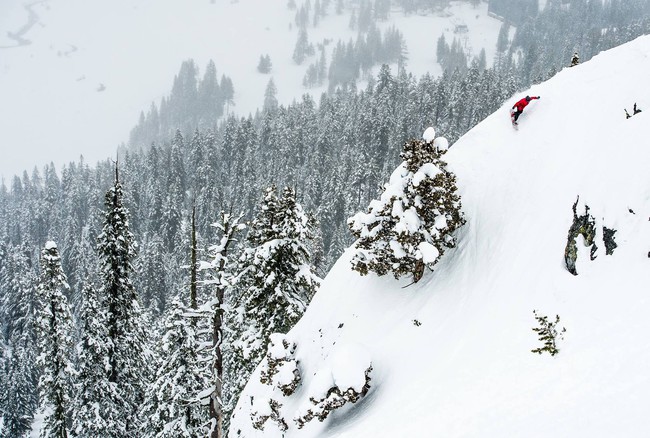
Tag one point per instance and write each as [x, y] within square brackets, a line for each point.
[518, 107]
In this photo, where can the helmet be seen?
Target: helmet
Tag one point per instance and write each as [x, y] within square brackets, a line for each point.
[527, 98]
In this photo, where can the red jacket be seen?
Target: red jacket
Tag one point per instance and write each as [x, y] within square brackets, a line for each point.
[523, 103]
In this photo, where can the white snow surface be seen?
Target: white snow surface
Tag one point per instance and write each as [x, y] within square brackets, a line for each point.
[85, 69]
[429, 134]
[451, 355]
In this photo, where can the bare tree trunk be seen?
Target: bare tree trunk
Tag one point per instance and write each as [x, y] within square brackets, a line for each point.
[216, 406]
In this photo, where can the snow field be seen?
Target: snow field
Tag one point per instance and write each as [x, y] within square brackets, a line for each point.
[451, 355]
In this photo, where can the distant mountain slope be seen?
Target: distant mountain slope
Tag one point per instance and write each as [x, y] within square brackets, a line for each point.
[451, 355]
[75, 75]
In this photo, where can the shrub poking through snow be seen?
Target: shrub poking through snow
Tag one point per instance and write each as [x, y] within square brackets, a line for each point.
[269, 412]
[334, 399]
[412, 223]
[584, 226]
[281, 368]
[548, 334]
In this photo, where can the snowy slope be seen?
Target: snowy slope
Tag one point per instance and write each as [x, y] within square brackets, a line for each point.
[75, 74]
[467, 370]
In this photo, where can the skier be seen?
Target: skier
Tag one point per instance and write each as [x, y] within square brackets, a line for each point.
[518, 108]
[575, 60]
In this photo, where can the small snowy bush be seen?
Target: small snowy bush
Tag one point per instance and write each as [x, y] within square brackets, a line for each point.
[281, 368]
[412, 223]
[268, 411]
[333, 399]
[548, 334]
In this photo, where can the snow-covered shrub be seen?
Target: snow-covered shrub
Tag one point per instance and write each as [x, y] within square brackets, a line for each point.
[334, 398]
[281, 368]
[269, 409]
[585, 226]
[412, 223]
[548, 334]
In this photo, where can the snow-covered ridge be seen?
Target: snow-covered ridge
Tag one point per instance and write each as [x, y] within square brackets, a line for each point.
[451, 355]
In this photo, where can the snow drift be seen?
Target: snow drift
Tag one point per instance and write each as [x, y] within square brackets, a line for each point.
[451, 355]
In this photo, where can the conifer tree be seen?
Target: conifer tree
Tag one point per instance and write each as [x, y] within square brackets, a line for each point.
[264, 65]
[17, 315]
[20, 397]
[124, 321]
[274, 281]
[4, 363]
[94, 403]
[303, 49]
[412, 223]
[54, 330]
[172, 406]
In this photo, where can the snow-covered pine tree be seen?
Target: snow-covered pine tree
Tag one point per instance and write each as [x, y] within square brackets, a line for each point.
[17, 315]
[20, 397]
[54, 334]
[4, 366]
[93, 406]
[277, 279]
[172, 406]
[274, 283]
[127, 359]
[411, 225]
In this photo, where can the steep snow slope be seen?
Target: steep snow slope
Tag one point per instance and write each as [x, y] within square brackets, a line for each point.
[467, 369]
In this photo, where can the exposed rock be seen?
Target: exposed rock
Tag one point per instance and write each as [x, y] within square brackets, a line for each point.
[582, 226]
[608, 240]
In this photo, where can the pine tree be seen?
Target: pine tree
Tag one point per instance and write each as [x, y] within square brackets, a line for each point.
[210, 106]
[20, 398]
[412, 223]
[303, 49]
[264, 65]
[94, 409]
[270, 99]
[54, 329]
[274, 282]
[127, 359]
[4, 365]
[17, 315]
[172, 408]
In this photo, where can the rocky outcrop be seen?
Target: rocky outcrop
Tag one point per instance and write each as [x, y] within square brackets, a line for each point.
[585, 226]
